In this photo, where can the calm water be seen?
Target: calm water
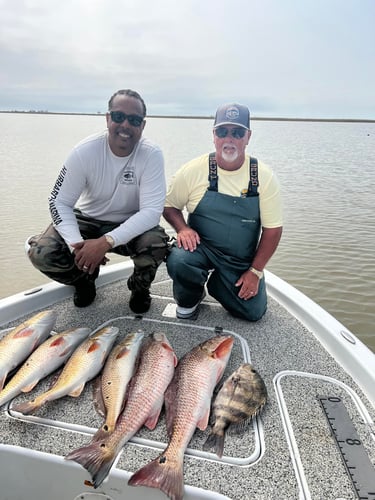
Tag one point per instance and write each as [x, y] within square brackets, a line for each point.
[327, 176]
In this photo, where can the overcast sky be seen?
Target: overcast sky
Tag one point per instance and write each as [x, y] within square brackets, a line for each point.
[286, 58]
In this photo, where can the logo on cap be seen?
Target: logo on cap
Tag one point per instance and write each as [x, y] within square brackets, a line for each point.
[232, 113]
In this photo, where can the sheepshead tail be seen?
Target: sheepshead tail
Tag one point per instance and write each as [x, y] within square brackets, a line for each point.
[96, 458]
[215, 441]
[161, 474]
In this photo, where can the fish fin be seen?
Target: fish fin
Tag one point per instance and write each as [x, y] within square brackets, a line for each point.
[58, 341]
[169, 348]
[123, 352]
[153, 418]
[203, 422]
[162, 474]
[97, 458]
[215, 441]
[98, 397]
[77, 391]
[2, 381]
[29, 387]
[25, 332]
[27, 408]
[94, 346]
[222, 349]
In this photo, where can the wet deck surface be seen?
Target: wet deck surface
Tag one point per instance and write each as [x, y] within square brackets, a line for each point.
[257, 464]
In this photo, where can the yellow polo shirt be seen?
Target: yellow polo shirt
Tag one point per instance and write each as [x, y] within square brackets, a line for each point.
[190, 183]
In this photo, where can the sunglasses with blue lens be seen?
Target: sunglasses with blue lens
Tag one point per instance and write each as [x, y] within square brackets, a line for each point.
[119, 117]
[236, 133]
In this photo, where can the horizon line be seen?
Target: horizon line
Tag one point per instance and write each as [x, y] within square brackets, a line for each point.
[204, 117]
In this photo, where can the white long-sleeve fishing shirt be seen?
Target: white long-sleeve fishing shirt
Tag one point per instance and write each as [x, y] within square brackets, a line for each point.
[127, 190]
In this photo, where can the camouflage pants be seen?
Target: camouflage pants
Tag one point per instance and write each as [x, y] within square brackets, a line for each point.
[49, 253]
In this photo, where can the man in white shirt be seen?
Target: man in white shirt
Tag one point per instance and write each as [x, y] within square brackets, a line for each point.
[108, 197]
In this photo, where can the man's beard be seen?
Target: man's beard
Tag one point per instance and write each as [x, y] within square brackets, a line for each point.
[229, 157]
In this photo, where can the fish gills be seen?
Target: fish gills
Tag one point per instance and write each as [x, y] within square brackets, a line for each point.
[20, 342]
[116, 375]
[46, 358]
[241, 397]
[188, 400]
[84, 364]
[154, 372]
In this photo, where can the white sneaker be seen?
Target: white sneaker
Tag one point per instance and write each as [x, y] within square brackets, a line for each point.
[188, 312]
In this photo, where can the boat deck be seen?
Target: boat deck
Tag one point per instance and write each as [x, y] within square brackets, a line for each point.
[287, 453]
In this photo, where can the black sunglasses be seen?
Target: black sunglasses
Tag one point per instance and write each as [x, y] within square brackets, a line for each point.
[236, 133]
[119, 117]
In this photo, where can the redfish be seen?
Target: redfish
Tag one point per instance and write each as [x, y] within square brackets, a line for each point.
[188, 401]
[156, 367]
[241, 397]
[46, 358]
[85, 363]
[20, 342]
[115, 378]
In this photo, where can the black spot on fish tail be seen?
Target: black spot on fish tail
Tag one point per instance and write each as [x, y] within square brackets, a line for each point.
[97, 458]
[162, 475]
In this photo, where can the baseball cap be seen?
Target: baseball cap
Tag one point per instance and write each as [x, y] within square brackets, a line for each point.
[232, 114]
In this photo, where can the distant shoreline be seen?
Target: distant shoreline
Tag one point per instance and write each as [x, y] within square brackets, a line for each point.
[197, 117]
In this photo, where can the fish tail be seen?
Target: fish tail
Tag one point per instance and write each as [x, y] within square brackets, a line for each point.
[161, 474]
[97, 458]
[103, 433]
[215, 441]
[28, 408]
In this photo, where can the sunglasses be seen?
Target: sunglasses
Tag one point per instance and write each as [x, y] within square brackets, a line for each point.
[119, 117]
[236, 133]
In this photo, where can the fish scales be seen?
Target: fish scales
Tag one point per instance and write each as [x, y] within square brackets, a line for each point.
[20, 342]
[188, 400]
[84, 364]
[241, 397]
[46, 358]
[154, 372]
[117, 373]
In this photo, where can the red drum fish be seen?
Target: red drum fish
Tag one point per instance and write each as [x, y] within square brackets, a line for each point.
[115, 378]
[46, 358]
[20, 342]
[85, 363]
[157, 362]
[188, 402]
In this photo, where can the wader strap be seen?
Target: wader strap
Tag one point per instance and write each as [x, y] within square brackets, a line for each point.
[212, 172]
[252, 189]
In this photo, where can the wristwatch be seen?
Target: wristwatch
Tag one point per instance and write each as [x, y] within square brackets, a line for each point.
[256, 272]
[110, 240]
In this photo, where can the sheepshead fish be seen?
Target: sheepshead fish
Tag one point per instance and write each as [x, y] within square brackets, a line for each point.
[20, 342]
[84, 364]
[145, 399]
[188, 402]
[241, 397]
[115, 378]
[46, 358]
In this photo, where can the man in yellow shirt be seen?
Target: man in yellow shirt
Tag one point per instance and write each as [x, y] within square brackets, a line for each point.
[233, 227]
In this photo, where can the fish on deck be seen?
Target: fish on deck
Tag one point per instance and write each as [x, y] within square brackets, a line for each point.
[84, 364]
[46, 358]
[20, 342]
[241, 397]
[110, 392]
[157, 362]
[188, 402]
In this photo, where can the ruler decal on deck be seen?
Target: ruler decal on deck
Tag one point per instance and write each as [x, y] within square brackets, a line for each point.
[356, 460]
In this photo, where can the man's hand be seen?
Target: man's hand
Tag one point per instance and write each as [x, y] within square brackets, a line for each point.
[188, 239]
[249, 284]
[90, 254]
